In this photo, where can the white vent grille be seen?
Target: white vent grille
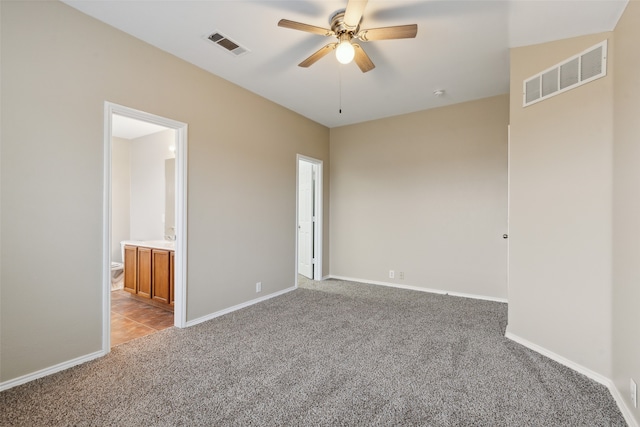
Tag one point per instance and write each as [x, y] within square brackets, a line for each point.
[575, 71]
[227, 44]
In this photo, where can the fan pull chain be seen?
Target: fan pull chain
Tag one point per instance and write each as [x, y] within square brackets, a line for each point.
[340, 89]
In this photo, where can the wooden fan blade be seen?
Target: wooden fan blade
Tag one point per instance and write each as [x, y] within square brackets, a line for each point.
[362, 59]
[387, 33]
[285, 23]
[317, 55]
[353, 13]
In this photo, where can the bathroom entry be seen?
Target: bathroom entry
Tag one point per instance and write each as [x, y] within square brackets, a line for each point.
[145, 176]
[309, 218]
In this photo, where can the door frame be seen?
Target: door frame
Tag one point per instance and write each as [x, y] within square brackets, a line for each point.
[508, 205]
[318, 214]
[180, 280]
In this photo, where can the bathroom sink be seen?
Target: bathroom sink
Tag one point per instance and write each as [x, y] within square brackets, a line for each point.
[166, 245]
[160, 244]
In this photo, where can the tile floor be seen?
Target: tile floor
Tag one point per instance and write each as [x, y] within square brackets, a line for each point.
[131, 319]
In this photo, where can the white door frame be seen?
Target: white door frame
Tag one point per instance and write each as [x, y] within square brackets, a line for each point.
[318, 209]
[508, 205]
[180, 278]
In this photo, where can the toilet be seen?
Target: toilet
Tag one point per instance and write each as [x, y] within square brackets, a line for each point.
[117, 276]
[117, 271]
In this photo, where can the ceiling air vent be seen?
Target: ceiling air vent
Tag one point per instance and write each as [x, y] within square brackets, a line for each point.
[569, 74]
[227, 44]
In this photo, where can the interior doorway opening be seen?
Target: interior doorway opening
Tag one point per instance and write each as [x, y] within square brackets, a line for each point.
[160, 218]
[309, 218]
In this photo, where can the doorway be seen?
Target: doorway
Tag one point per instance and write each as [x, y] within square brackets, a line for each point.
[309, 218]
[174, 136]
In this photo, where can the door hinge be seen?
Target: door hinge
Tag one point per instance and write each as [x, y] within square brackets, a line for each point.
[313, 218]
[313, 260]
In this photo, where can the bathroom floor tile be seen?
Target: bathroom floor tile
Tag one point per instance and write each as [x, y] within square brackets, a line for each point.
[131, 319]
[124, 329]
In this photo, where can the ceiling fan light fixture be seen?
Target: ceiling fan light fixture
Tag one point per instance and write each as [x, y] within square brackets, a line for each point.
[345, 26]
[345, 52]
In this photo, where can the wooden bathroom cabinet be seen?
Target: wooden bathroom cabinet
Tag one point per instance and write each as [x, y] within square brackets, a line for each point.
[131, 269]
[148, 273]
[144, 272]
[160, 275]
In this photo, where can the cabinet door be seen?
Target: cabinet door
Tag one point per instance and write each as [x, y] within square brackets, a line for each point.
[144, 272]
[160, 276]
[172, 276]
[130, 268]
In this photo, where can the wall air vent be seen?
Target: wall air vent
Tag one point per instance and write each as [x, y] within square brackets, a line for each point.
[227, 44]
[569, 74]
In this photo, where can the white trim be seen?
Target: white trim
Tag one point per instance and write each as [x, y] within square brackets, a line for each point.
[508, 206]
[627, 413]
[106, 234]
[50, 370]
[318, 212]
[180, 309]
[560, 359]
[180, 275]
[238, 307]
[418, 288]
[599, 378]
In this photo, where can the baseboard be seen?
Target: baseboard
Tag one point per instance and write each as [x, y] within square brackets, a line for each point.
[622, 405]
[50, 370]
[418, 288]
[599, 378]
[237, 307]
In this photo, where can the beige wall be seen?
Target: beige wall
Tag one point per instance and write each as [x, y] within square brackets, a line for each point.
[560, 210]
[425, 194]
[626, 207]
[58, 68]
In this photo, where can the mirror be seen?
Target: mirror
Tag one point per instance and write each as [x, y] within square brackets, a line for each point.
[170, 199]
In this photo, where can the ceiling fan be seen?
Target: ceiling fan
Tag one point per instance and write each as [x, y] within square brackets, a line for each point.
[345, 26]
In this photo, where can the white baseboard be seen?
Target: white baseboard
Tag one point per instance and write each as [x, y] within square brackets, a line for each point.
[50, 370]
[237, 307]
[599, 378]
[82, 359]
[418, 288]
[622, 405]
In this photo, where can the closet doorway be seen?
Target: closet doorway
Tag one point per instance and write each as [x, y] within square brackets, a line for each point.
[309, 218]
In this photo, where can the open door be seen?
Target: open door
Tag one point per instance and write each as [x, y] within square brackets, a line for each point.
[305, 218]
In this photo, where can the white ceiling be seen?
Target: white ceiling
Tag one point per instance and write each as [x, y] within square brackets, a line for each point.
[128, 128]
[461, 47]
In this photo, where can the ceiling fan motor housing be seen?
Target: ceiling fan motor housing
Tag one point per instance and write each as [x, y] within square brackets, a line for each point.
[339, 27]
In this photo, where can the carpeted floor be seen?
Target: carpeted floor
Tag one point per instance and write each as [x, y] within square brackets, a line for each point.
[329, 353]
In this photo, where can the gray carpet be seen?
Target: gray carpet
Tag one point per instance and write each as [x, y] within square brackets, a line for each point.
[329, 353]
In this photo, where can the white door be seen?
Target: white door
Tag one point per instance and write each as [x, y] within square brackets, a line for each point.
[305, 219]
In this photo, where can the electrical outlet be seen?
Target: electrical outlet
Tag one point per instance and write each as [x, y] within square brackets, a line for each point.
[634, 393]
[392, 274]
[259, 287]
[402, 275]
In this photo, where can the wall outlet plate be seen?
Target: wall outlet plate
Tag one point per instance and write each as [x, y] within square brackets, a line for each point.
[259, 287]
[392, 274]
[634, 392]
